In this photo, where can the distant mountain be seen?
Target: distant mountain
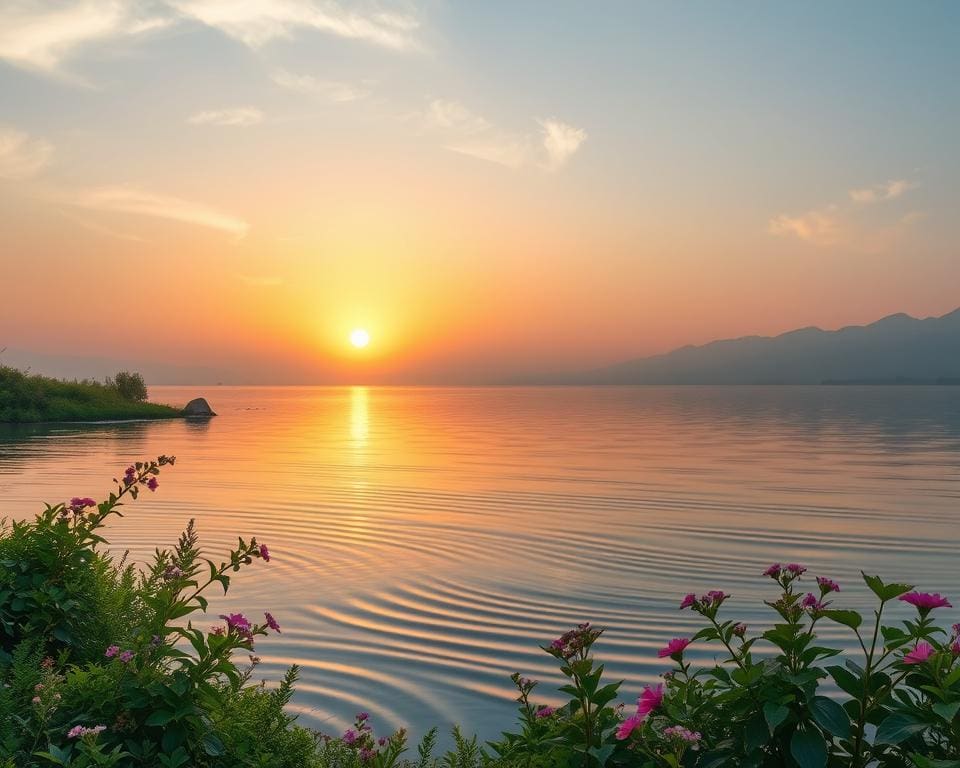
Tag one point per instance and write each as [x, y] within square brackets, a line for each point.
[896, 349]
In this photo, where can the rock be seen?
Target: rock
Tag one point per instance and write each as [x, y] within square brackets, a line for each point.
[198, 408]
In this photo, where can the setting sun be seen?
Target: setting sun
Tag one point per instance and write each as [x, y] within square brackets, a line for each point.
[359, 338]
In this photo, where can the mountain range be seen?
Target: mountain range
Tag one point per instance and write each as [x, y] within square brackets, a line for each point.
[895, 349]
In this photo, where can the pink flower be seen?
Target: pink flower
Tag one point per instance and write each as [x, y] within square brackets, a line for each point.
[366, 753]
[773, 571]
[75, 732]
[674, 649]
[545, 711]
[684, 734]
[688, 601]
[796, 569]
[349, 736]
[956, 629]
[112, 651]
[78, 730]
[239, 623]
[382, 741]
[628, 726]
[272, 623]
[925, 601]
[740, 629]
[152, 483]
[827, 585]
[264, 552]
[955, 648]
[920, 654]
[361, 716]
[35, 700]
[649, 700]
[126, 657]
[810, 601]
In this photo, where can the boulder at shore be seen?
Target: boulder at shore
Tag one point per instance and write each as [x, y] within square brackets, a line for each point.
[198, 408]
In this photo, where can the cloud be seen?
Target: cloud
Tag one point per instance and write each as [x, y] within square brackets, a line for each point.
[130, 199]
[331, 90]
[257, 22]
[22, 156]
[237, 116]
[560, 141]
[887, 191]
[819, 227]
[468, 133]
[36, 34]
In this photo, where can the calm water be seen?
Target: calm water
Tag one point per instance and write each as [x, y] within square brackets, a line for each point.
[426, 540]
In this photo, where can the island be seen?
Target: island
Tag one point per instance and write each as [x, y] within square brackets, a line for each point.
[30, 398]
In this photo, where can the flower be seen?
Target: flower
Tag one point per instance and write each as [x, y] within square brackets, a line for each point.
[740, 629]
[920, 654]
[956, 629]
[955, 648]
[265, 552]
[112, 651]
[172, 572]
[574, 640]
[827, 585]
[688, 601]
[35, 700]
[272, 623]
[239, 623]
[683, 734]
[78, 730]
[649, 700]
[628, 726]
[126, 657]
[152, 483]
[361, 716]
[382, 741]
[925, 601]
[78, 504]
[349, 736]
[545, 711]
[366, 753]
[773, 571]
[796, 569]
[810, 601]
[674, 649]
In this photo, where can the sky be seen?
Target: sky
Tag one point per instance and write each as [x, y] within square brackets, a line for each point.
[222, 190]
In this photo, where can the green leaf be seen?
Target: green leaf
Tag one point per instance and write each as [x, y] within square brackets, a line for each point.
[898, 727]
[602, 754]
[830, 716]
[808, 748]
[159, 717]
[846, 681]
[775, 714]
[212, 744]
[850, 619]
[947, 711]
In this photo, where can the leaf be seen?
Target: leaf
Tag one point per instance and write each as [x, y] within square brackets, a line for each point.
[159, 717]
[850, 619]
[830, 716]
[898, 727]
[602, 754]
[808, 748]
[947, 711]
[846, 680]
[775, 714]
[212, 744]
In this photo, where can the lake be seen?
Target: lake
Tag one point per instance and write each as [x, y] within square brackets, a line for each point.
[426, 540]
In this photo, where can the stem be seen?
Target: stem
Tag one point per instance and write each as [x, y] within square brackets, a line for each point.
[865, 702]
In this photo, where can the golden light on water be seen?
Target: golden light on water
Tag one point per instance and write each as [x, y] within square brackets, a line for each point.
[359, 337]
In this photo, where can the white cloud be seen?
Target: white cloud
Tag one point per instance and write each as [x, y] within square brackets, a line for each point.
[445, 114]
[819, 227]
[130, 199]
[887, 191]
[21, 156]
[508, 151]
[257, 22]
[35, 34]
[560, 141]
[237, 116]
[332, 90]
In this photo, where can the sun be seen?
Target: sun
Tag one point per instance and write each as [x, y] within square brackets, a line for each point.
[359, 338]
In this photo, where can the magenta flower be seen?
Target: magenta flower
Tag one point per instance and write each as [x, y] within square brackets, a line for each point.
[349, 736]
[674, 649]
[78, 731]
[683, 734]
[152, 483]
[628, 726]
[112, 651]
[796, 569]
[827, 585]
[925, 601]
[366, 753]
[740, 629]
[649, 700]
[956, 629]
[264, 552]
[361, 716]
[272, 623]
[810, 601]
[688, 601]
[773, 571]
[545, 711]
[382, 741]
[920, 654]
[239, 623]
[955, 648]
[126, 657]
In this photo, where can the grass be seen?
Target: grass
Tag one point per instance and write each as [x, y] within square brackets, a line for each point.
[27, 398]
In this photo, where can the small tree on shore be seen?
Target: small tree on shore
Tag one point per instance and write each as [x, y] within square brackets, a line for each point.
[130, 386]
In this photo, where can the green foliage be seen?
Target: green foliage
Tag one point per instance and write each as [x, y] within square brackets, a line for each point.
[32, 398]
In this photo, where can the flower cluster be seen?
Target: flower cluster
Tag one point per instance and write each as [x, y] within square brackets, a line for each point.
[649, 700]
[361, 738]
[682, 734]
[78, 731]
[114, 651]
[707, 604]
[574, 641]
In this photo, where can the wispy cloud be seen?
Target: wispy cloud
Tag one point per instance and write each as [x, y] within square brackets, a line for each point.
[560, 141]
[331, 90]
[887, 191]
[236, 116]
[818, 227]
[470, 134]
[130, 199]
[22, 156]
[257, 22]
[37, 34]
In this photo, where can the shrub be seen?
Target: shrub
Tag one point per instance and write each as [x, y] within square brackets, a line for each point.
[130, 386]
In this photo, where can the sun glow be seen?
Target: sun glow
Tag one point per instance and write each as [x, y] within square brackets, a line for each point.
[359, 338]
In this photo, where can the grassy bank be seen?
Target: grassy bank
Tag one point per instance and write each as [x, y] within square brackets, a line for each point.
[26, 398]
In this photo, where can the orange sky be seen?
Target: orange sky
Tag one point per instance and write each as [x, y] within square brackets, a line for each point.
[213, 198]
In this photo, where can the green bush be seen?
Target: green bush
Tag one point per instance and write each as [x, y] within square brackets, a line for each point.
[130, 386]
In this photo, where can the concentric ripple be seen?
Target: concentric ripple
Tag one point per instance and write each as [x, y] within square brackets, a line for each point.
[427, 541]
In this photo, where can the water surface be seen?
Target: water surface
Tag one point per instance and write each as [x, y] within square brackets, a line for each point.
[427, 540]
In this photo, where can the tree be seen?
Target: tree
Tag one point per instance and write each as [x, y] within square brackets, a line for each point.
[130, 386]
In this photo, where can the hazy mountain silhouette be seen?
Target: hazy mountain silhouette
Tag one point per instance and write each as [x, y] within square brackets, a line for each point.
[896, 348]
